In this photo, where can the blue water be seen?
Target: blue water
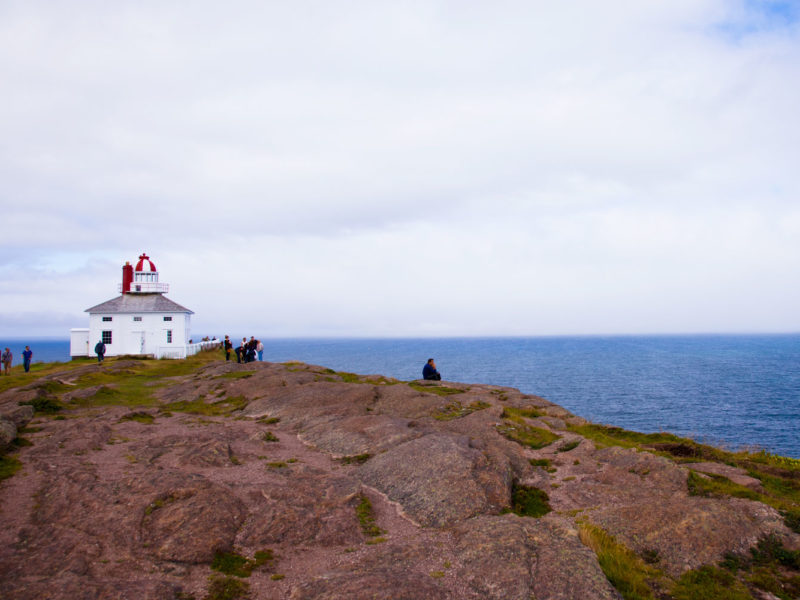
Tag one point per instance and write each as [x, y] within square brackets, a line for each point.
[726, 390]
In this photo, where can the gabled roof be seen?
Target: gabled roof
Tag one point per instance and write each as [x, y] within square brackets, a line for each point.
[139, 303]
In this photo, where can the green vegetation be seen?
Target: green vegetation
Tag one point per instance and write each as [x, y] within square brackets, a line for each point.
[626, 571]
[527, 435]
[717, 485]
[268, 420]
[231, 563]
[529, 501]
[276, 576]
[235, 375]
[768, 567]
[567, 446]
[709, 583]
[435, 388]
[8, 466]
[455, 410]
[227, 588]
[277, 465]
[214, 409]
[545, 463]
[45, 405]
[366, 519]
[376, 540]
[501, 395]
[268, 436]
[139, 417]
[437, 574]
[158, 502]
[355, 459]
[779, 475]
[515, 414]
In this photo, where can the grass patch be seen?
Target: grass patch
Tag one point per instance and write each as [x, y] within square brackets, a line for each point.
[456, 410]
[709, 583]
[158, 502]
[268, 420]
[376, 540]
[8, 466]
[626, 571]
[566, 447]
[231, 563]
[779, 475]
[139, 417]
[545, 463]
[356, 459]
[433, 388]
[710, 484]
[366, 518]
[527, 435]
[529, 501]
[276, 576]
[514, 413]
[44, 405]
[268, 436]
[235, 375]
[226, 588]
[769, 566]
[277, 465]
[349, 377]
[199, 406]
[606, 435]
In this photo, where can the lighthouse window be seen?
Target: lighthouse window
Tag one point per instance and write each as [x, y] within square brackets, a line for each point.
[168, 318]
[107, 318]
[169, 336]
[137, 318]
[106, 337]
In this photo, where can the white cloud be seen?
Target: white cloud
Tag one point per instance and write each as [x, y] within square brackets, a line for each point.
[426, 168]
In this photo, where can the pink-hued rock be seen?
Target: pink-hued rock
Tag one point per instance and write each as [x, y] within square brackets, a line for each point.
[109, 507]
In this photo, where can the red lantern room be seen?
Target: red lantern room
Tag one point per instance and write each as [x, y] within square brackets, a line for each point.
[143, 279]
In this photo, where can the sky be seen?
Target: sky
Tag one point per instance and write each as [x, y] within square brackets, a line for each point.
[382, 168]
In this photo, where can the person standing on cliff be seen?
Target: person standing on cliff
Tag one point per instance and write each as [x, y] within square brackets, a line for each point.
[7, 358]
[228, 345]
[260, 350]
[429, 371]
[27, 354]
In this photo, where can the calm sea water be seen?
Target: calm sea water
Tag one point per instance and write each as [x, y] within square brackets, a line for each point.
[727, 390]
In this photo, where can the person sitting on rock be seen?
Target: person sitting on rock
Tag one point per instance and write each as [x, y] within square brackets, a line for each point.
[429, 371]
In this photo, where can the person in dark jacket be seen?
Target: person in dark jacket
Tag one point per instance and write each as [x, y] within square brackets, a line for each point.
[100, 350]
[429, 371]
[228, 344]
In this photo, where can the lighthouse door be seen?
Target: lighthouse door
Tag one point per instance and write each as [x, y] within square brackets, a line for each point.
[141, 335]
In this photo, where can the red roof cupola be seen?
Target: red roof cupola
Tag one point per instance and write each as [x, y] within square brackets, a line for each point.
[145, 264]
[143, 279]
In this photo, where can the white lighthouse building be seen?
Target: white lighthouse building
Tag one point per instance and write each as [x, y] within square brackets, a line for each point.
[140, 321]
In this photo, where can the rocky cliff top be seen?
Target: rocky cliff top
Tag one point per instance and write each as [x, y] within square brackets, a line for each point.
[206, 479]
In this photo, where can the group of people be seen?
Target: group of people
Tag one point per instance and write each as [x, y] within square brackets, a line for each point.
[246, 352]
[8, 357]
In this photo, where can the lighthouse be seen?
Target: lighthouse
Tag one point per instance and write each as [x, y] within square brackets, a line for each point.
[141, 321]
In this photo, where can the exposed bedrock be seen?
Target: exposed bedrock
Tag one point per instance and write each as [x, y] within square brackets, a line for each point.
[346, 486]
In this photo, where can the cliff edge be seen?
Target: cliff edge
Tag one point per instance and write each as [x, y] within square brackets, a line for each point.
[208, 480]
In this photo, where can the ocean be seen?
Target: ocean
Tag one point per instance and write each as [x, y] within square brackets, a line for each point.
[728, 390]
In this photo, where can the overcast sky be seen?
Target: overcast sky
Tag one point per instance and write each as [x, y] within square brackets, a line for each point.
[347, 168]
